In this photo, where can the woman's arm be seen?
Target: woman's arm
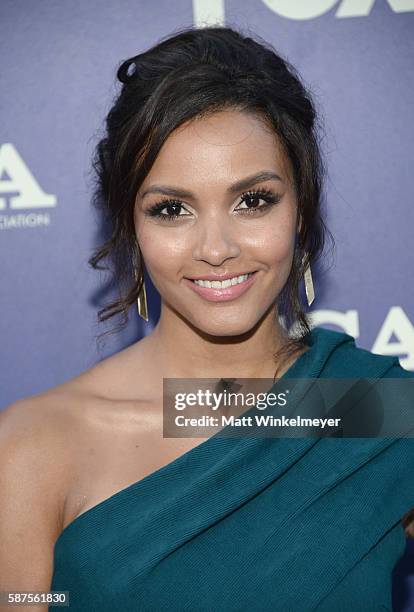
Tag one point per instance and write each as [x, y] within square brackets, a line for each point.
[33, 473]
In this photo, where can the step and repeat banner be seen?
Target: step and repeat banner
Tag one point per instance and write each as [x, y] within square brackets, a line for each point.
[57, 82]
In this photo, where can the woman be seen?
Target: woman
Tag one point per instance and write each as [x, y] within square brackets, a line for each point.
[210, 170]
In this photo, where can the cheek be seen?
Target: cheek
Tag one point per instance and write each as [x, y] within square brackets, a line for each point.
[164, 251]
[274, 244]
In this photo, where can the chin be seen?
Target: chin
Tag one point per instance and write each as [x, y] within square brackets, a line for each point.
[233, 327]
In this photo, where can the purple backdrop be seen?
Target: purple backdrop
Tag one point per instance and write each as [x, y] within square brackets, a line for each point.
[57, 82]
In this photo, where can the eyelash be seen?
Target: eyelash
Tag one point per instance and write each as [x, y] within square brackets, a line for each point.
[264, 194]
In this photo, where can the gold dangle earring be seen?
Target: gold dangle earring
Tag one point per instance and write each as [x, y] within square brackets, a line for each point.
[142, 305]
[310, 291]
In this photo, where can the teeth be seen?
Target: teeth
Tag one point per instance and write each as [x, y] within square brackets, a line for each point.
[223, 284]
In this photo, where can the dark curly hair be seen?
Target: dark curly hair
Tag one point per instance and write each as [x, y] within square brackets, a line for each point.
[186, 75]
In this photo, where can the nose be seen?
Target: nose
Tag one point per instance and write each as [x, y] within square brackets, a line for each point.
[215, 240]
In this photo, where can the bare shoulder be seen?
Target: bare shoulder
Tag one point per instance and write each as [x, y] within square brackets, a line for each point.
[42, 441]
[48, 431]
[38, 438]
[36, 458]
[35, 444]
[31, 414]
[43, 420]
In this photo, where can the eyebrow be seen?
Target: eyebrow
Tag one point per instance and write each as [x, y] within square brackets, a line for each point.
[265, 175]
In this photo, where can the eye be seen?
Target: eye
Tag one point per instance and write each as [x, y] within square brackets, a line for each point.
[253, 198]
[173, 208]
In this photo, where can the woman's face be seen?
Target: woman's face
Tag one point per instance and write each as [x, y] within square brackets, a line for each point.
[203, 210]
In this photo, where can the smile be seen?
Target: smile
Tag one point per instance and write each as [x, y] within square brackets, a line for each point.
[222, 284]
[225, 290]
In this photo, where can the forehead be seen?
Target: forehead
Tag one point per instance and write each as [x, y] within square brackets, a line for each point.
[222, 144]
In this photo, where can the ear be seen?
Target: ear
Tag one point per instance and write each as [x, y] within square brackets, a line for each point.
[300, 224]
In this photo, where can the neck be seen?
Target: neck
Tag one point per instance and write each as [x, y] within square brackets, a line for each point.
[184, 351]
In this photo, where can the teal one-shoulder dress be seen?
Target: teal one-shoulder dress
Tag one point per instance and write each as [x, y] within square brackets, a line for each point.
[253, 524]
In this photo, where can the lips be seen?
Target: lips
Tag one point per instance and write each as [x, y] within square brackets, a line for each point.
[222, 294]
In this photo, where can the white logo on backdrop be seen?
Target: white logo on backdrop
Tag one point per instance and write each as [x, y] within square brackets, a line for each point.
[396, 324]
[23, 192]
[211, 12]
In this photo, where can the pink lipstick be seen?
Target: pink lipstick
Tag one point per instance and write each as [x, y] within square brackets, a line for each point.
[222, 294]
